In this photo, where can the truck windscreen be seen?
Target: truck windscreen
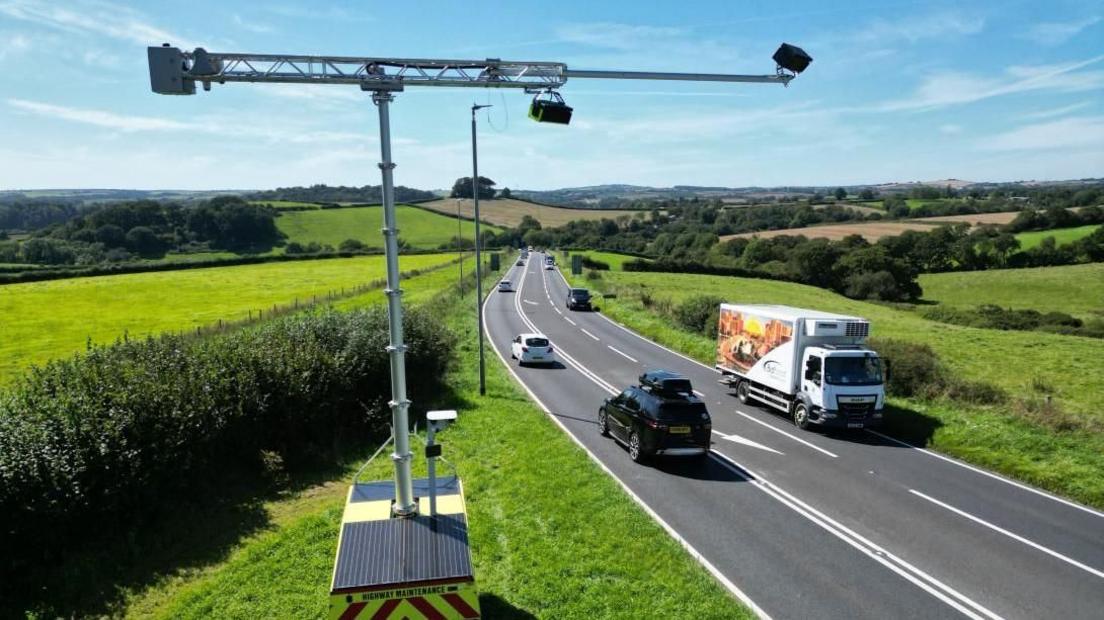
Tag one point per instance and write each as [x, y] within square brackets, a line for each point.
[853, 370]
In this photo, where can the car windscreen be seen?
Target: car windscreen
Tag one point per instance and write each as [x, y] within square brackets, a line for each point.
[536, 342]
[580, 293]
[853, 370]
[683, 411]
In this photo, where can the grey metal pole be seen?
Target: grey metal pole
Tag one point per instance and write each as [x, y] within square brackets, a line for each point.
[460, 244]
[478, 258]
[404, 485]
[431, 434]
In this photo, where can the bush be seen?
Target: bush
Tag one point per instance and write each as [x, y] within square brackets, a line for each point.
[590, 263]
[352, 245]
[914, 369]
[698, 314]
[105, 442]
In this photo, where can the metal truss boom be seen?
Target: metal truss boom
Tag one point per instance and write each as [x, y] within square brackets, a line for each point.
[372, 73]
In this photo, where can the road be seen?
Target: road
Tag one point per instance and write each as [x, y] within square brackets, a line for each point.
[808, 524]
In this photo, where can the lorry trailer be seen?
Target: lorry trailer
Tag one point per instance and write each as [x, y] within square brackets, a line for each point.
[811, 365]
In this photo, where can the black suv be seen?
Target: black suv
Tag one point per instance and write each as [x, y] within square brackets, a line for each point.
[578, 298]
[659, 416]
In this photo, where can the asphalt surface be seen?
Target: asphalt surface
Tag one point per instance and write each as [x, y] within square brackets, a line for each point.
[808, 524]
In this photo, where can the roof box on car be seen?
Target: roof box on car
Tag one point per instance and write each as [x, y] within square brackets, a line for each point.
[666, 382]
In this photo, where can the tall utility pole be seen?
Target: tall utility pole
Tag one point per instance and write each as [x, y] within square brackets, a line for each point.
[174, 72]
[478, 259]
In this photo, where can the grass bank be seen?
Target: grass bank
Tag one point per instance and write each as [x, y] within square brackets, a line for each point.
[552, 536]
[1058, 448]
[47, 320]
[418, 227]
[1074, 289]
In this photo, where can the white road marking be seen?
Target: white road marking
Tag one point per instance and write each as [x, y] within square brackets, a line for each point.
[698, 394]
[569, 320]
[791, 436]
[914, 575]
[747, 442]
[694, 553]
[531, 303]
[622, 354]
[557, 310]
[996, 528]
[983, 472]
[583, 329]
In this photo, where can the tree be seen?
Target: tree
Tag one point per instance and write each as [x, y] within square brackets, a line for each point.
[505, 193]
[143, 241]
[868, 194]
[841, 193]
[462, 188]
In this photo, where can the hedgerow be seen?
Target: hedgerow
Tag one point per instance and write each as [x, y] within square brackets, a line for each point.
[109, 440]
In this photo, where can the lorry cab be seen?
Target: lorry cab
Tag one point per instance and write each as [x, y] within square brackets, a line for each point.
[841, 386]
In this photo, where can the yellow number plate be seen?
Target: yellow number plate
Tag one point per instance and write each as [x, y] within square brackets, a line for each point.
[680, 429]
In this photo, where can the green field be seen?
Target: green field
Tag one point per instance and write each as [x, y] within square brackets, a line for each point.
[1073, 289]
[552, 537]
[418, 227]
[1062, 450]
[46, 320]
[615, 261]
[1061, 236]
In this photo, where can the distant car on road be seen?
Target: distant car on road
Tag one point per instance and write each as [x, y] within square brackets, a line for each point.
[660, 416]
[578, 298]
[532, 348]
[505, 286]
[549, 262]
[520, 263]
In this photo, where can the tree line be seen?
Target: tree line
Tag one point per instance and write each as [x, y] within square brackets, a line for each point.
[148, 229]
[340, 193]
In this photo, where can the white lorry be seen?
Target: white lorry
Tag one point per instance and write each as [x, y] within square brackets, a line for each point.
[810, 365]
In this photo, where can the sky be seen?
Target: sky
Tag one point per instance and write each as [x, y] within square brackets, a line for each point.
[897, 92]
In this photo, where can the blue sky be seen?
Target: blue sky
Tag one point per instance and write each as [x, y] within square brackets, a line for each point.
[897, 92]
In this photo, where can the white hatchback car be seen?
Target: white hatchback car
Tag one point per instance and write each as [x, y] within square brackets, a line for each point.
[505, 286]
[532, 349]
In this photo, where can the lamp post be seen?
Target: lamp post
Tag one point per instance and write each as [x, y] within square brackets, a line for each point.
[478, 247]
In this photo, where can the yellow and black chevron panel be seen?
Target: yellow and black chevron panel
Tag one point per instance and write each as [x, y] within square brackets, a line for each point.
[416, 567]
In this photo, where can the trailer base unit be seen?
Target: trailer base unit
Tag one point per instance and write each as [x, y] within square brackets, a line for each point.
[808, 364]
[412, 567]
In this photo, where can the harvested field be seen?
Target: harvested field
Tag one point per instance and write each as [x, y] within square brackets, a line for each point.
[508, 212]
[974, 219]
[872, 231]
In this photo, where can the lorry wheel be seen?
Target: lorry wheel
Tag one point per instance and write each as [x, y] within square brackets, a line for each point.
[801, 415]
[742, 392]
[635, 453]
[603, 423]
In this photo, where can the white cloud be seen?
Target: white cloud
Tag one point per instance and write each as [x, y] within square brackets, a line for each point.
[616, 36]
[1056, 33]
[219, 126]
[956, 88]
[91, 17]
[1055, 112]
[1066, 133]
[915, 28]
[12, 45]
[950, 129]
[252, 25]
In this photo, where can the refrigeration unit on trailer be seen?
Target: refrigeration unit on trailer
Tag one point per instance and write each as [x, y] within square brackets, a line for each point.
[811, 365]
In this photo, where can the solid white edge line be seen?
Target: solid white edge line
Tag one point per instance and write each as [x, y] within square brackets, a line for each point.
[995, 476]
[917, 577]
[791, 436]
[1011, 535]
[622, 354]
[694, 553]
[583, 329]
[954, 461]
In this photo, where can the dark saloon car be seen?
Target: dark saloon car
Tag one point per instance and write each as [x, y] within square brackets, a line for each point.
[578, 299]
[661, 416]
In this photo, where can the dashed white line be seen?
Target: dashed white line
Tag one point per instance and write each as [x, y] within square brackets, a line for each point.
[531, 303]
[583, 329]
[622, 354]
[791, 436]
[557, 310]
[569, 320]
[996, 528]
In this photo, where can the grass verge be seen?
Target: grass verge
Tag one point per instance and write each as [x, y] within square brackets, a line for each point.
[1021, 439]
[552, 536]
